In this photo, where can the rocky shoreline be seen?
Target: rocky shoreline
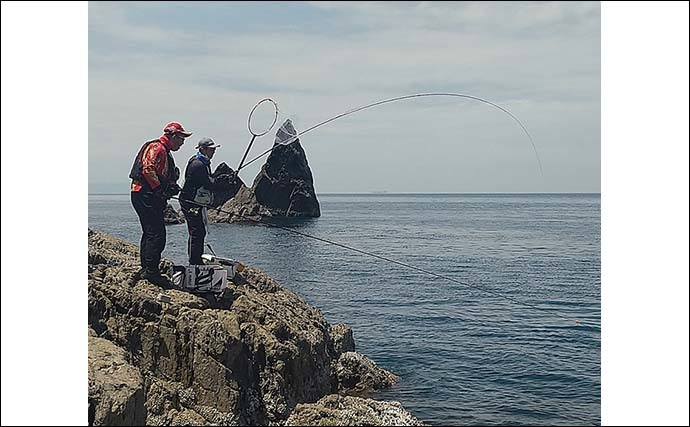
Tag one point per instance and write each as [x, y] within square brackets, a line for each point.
[259, 356]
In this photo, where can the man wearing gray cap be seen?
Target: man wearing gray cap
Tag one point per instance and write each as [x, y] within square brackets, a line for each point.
[196, 194]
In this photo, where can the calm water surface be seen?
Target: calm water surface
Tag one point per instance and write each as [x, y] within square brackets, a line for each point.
[465, 357]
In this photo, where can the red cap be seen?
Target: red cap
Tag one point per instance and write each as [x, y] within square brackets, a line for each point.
[174, 127]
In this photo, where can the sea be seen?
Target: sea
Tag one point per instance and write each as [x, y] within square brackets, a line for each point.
[513, 339]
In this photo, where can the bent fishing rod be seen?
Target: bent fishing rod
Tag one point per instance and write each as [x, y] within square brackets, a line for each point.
[371, 105]
[381, 257]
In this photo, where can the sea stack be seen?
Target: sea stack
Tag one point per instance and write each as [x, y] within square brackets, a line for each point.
[283, 188]
[285, 185]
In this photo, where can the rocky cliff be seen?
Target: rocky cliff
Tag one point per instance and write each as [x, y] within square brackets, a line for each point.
[259, 356]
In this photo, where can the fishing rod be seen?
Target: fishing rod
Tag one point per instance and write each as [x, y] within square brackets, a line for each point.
[386, 101]
[381, 257]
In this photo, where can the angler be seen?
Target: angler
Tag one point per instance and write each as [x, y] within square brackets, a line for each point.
[198, 187]
[154, 181]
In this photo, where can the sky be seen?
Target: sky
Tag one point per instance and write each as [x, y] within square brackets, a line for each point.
[206, 65]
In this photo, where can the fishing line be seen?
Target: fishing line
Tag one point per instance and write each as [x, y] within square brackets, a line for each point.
[350, 248]
[400, 98]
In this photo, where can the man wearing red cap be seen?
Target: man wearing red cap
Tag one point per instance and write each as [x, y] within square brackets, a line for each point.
[154, 181]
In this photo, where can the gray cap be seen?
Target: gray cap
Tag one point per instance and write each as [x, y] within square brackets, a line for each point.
[206, 143]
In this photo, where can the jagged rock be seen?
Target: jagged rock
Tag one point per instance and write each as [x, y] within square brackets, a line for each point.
[104, 249]
[116, 388]
[228, 189]
[169, 403]
[171, 216]
[358, 375]
[336, 410]
[242, 207]
[343, 341]
[285, 185]
[249, 362]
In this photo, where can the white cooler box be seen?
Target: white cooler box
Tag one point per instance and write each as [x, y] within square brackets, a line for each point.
[209, 278]
[201, 278]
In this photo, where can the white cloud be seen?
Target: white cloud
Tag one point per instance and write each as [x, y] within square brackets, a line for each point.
[541, 61]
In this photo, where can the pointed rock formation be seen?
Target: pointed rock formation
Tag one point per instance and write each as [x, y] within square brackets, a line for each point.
[285, 185]
[283, 188]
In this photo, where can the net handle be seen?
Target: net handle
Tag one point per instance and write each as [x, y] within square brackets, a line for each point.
[249, 127]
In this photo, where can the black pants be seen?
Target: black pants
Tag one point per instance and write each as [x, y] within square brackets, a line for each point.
[150, 210]
[197, 231]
